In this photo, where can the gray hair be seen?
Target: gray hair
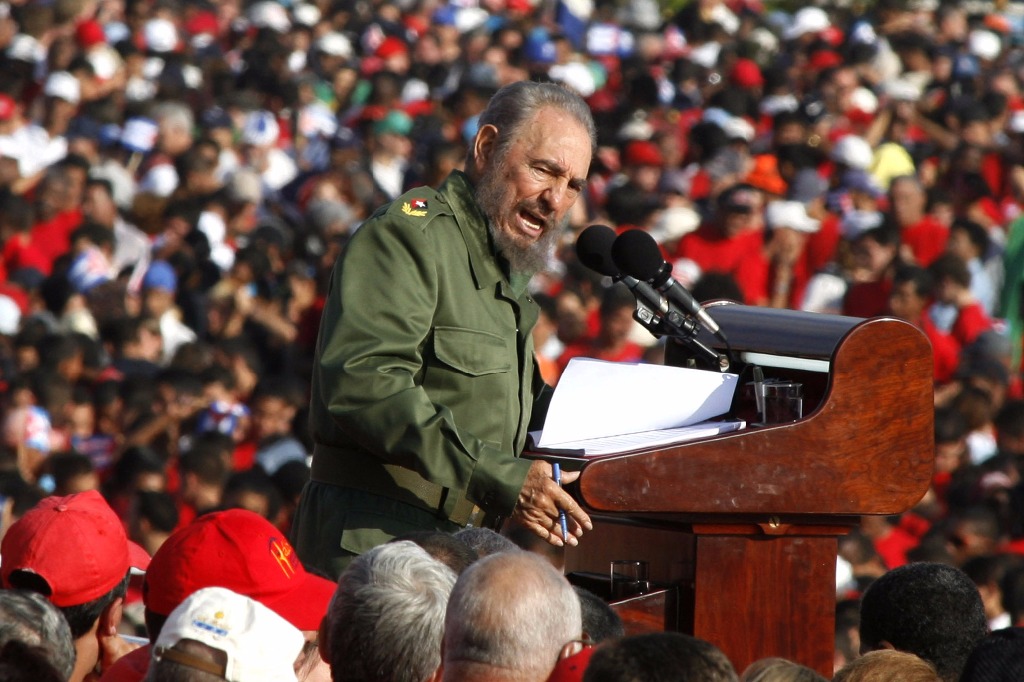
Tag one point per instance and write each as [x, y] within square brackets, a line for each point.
[515, 105]
[30, 618]
[386, 619]
[511, 611]
[485, 541]
[175, 114]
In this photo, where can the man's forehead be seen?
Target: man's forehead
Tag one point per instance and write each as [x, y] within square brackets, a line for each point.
[556, 137]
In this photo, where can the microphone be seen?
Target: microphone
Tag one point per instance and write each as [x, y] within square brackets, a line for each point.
[594, 249]
[636, 253]
[659, 315]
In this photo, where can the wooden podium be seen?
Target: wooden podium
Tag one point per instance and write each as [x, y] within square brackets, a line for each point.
[745, 524]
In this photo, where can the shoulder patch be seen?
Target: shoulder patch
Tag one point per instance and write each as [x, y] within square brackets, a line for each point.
[415, 207]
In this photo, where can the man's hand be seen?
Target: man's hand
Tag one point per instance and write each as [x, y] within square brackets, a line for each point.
[541, 499]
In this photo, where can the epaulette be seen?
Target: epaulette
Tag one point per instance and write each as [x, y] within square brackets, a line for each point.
[420, 204]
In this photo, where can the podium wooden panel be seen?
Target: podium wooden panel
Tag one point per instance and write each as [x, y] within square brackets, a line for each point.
[745, 524]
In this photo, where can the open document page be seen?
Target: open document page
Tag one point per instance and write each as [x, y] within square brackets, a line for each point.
[603, 407]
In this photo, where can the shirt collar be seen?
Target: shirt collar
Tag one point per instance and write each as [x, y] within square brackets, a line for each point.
[487, 267]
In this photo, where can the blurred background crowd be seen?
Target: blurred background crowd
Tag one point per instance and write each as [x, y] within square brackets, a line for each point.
[178, 178]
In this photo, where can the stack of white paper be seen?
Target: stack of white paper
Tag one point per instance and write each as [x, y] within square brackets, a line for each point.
[601, 407]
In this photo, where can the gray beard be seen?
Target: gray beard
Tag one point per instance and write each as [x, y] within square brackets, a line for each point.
[490, 195]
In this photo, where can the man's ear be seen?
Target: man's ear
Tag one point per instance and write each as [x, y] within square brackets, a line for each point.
[483, 147]
[570, 649]
[110, 617]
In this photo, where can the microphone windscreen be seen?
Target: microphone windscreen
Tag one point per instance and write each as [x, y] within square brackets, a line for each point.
[636, 253]
[594, 249]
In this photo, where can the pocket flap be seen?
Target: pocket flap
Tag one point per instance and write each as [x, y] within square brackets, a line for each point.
[471, 351]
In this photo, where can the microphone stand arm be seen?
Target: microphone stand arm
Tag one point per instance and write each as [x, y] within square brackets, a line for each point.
[682, 329]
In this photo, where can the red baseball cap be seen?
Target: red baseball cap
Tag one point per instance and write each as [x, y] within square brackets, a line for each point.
[89, 33]
[642, 153]
[391, 46]
[6, 106]
[824, 59]
[245, 553]
[572, 668]
[746, 74]
[76, 544]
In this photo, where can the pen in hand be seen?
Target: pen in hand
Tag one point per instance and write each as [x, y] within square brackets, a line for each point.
[556, 472]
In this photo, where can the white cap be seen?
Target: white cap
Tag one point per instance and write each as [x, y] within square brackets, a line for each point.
[903, 89]
[10, 316]
[270, 15]
[63, 85]
[807, 20]
[261, 646]
[853, 151]
[260, 129]
[984, 44]
[25, 48]
[706, 55]
[576, 76]
[334, 44]
[856, 223]
[791, 214]
[306, 14]
[1016, 122]
[105, 61]
[470, 18]
[673, 223]
[864, 100]
[738, 128]
[160, 35]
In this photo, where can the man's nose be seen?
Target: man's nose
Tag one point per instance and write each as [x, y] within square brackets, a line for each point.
[557, 197]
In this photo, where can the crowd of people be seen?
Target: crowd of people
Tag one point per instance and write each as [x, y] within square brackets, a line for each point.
[178, 179]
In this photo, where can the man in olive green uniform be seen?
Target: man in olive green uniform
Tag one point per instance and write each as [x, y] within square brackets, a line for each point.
[424, 381]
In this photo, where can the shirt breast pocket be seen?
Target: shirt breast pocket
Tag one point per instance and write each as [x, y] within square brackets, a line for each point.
[470, 351]
[474, 377]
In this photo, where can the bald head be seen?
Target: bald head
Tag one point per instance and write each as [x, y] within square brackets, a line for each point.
[508, 618]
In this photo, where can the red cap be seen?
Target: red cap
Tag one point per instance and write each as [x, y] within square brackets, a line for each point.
[824, 59]
[642, 153]
[571, 668]
[746, 74]
[76, 544]
[90, 32]
[391, 47]
[6, 107]
[520, 6]
[203, 23]
[242, 551]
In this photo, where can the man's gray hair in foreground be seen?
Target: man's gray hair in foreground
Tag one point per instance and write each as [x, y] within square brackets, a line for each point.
[30, 618]
[509, 617]
[386, 619]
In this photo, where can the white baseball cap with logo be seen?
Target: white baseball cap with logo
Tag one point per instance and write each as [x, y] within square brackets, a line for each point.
[261, 646]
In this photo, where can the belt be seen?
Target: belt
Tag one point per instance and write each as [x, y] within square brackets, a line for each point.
[337, 466]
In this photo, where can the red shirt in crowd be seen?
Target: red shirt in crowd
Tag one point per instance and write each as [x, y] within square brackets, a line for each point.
[740, 256]
[926, 238]
[945, 350]
[868, 299]
[971, 322]
[53, 237]
[629, 352]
